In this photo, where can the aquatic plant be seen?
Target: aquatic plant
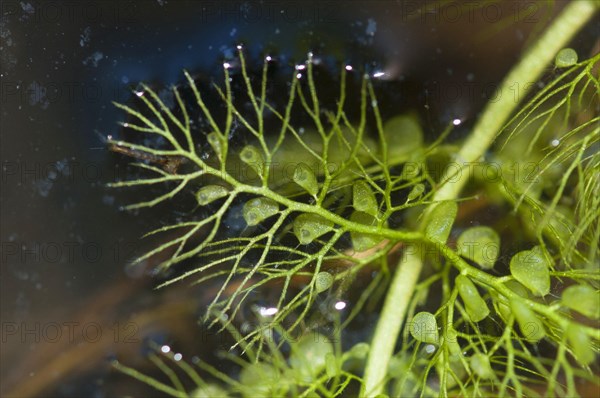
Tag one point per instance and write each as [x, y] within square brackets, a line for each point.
[476, 317]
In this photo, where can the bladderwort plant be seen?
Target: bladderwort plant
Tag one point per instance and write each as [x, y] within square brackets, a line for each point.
[463, 313]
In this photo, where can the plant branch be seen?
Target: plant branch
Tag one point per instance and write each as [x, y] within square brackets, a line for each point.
[495, 114]
[575, 15]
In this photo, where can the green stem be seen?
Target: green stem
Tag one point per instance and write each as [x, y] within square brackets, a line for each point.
[574, 17]
[521, 78]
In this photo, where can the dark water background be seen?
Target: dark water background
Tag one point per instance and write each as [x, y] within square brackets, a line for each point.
[65, 245]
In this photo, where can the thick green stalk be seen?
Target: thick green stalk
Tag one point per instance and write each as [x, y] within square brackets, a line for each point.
[575, 15]
[521, 79]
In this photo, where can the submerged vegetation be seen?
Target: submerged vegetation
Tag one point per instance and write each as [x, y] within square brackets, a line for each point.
[309, 195]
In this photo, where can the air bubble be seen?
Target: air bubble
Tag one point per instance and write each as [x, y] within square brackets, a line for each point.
[267, 311]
